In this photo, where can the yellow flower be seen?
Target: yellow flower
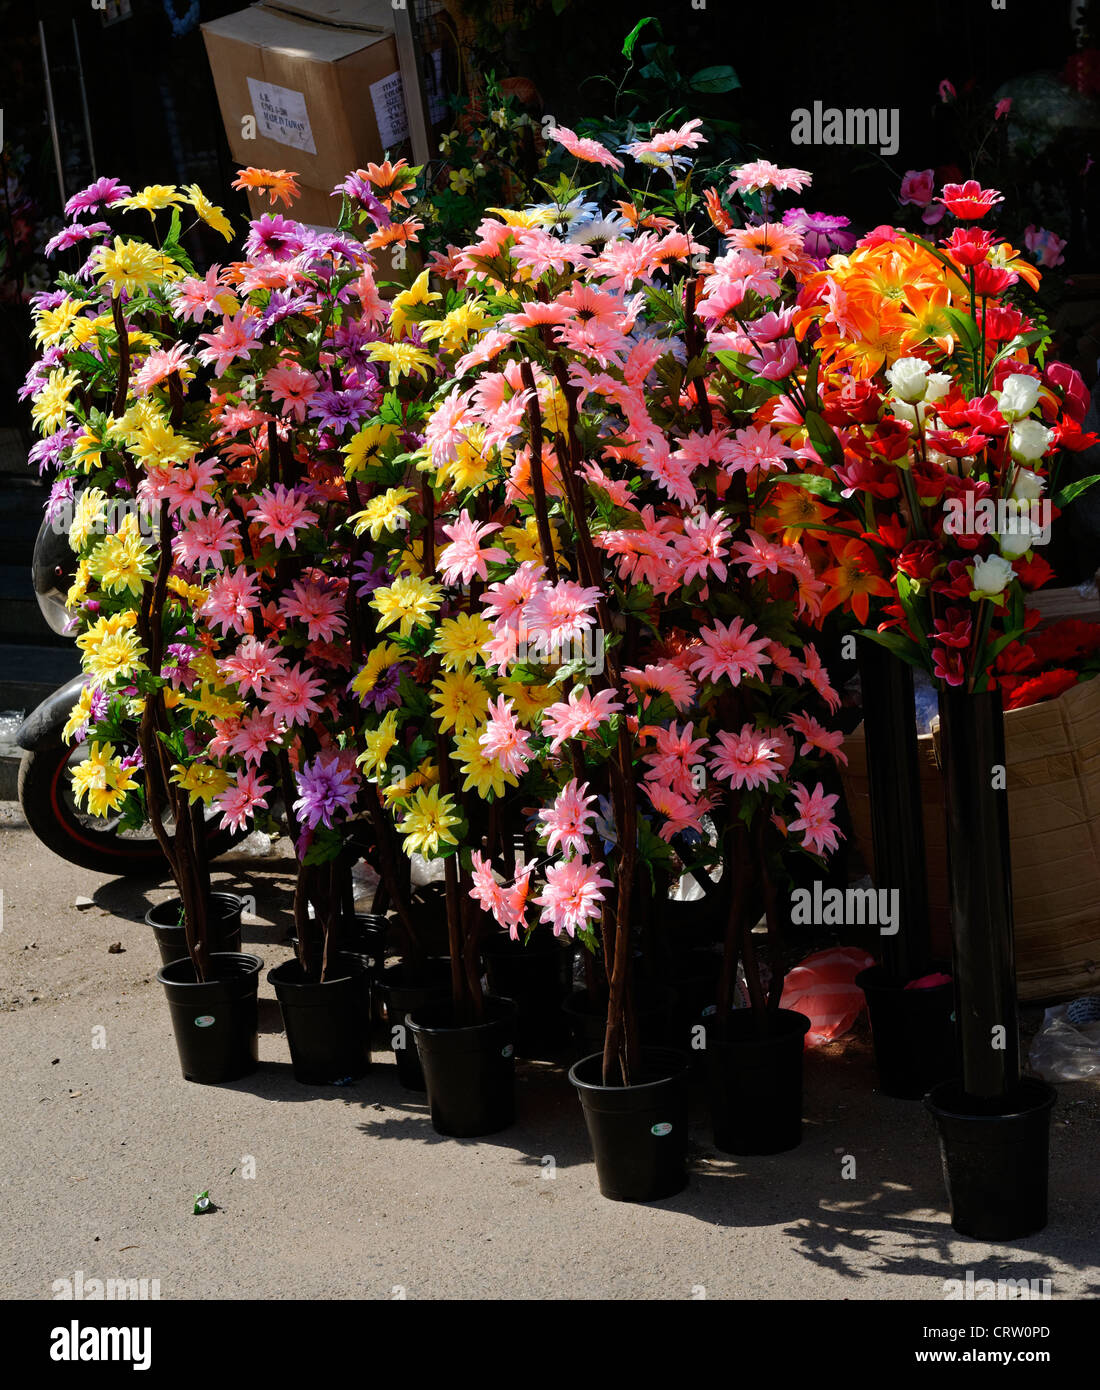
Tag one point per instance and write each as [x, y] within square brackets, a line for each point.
[472, 464]
[417, 296]
[115, 656]
[206, 702]
[523, 541]
[79, 714]
[213, 216]
[459, 640]
[382, 656]
[461, 701]
[88, 514]
[153, 197]
[514, 217]
[201, 781]
[408, 601]
[386, 512]
[87, 452]
[195, 594]
[483, 775]
[51, 325]
[426, 775]
[378, 744]
[138, 414]
[78, 589]
[102, 779]
[403, 359]
[555, 411]
[428, 822]
[366, 446]
[461, 180]
[452, 331]
[134, 266]
[51, 401]
[84, 330]
[528, 701]
[158, 445]
[122, 561]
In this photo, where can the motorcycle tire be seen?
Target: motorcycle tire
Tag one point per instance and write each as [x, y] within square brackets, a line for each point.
[53, 819]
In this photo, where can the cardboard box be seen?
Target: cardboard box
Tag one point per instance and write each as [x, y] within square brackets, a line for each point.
[315, 83]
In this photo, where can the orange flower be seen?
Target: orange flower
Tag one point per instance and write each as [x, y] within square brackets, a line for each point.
[390, 181]
[396, 234]
[719, 217]
[853, 580]
[795, 509]
[279, 183]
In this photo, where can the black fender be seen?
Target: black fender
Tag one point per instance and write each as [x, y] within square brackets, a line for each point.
[42, 727]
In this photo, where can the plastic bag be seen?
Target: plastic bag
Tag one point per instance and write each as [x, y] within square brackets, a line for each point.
[823, 988]
[1067, 1046]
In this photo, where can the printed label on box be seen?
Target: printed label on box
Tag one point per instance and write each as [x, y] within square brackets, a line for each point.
[281, 115]
[388, 96]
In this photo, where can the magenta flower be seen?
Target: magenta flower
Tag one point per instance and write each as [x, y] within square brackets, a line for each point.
[823, 234]
[100, 194]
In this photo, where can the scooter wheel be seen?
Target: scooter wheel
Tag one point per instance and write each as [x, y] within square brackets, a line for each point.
[51, 813]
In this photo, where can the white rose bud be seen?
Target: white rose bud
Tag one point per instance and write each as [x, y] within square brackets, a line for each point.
[908, 379]
[990, 577]
[1027, 485]
[1018, 396]
[939, 383]
[1015, 543]
[1029, 440]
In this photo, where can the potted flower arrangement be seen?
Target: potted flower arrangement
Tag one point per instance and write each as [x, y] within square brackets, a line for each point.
[114, 399]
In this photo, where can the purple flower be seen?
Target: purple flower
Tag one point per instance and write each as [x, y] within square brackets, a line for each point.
[336, 410]
[47, 452]
[61, 495]
[355, 186]
[102, 193]
[132, 760]
[277, 236]
[369, 577]
[387, 690]
[76, 231]
[325, 789]
[282, 306]
[822, 234]
[48, 299]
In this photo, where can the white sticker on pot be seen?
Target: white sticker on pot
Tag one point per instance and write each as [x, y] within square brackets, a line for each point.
[281, 115]
[661, 1130]
[204, 1020]
[507, 1050]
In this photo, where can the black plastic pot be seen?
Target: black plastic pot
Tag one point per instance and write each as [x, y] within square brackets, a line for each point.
[913, 1031]
[214, 1022]
[755, 1082]
[223, 926]
[537, 977]
[654, 1006]
[995, 1165]
[638, 1133]
[327, 1022]
[469, 1071]
[403, 988]
[367, 933]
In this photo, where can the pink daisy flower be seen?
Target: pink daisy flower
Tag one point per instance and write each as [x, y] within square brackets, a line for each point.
[566, 823]
[192, 299]
[188, 486]
[319, 606]
[290, 697]
[282, 513]
[731, 651]
[203, 540]
[503, 739]
[257, 732]
[230, 600]
[584, 713]
[676, 756]
[762, 173]
[236, 338]
[814, 672]
[581, 147]
[663, 678]
[746, 760]
[815, 818]
[755, 450]
[253, 664]
[560, 612]
[679, 812]
[505, 600]
[239, 801]
[815, 735]
[463, 558]
[572, 895]
[758, 554]
[160, 364]
[291, 385]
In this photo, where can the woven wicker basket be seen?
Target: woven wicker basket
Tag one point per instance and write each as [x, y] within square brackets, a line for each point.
[1053, 769]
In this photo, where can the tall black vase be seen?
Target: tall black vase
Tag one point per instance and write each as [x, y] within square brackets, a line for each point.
[979, 871]
[913, 1030]
[994, 1128]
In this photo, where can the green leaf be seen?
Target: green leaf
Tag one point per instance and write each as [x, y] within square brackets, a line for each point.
[1072, 490]
[716, 79]
[896, 643]
[824, 440]
[811, 482]
[632, 38]
[965, 327]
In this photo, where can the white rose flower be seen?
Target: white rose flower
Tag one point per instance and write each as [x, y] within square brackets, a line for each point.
[1019, 541]
[939, 383]
[1019, 396]
[990, 577]
[908, 379]
[1027, 485]
[1029, 440]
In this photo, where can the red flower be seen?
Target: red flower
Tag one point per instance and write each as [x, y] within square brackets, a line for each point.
[948, 666]
[918, 559]
[892, 438]
[1047, 686]
[968, 246]
[1069, 435]
[862, 475]
[969, 200]
[1002, 322]
[1033, 573]
[1071, 387]
[1061, 643]
[993, 280]
[958, 444]
[958, 582]
[857, 402]
[953, 630]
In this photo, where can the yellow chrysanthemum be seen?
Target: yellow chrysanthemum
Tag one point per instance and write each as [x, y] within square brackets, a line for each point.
[78, 589]
[523, 542]
[427, 822]
[386, 512]
[157, 445]
[102, 779]
[212, 215]
[459, 640]
[51, 402]
[122, 561]
[88, 515]
[483, 775]
[378, 744]
[409, 601]
[473, 462]
[454, 329]
[195, 594]
[403, 359]
[84, 330]
[87, 452]
[116, 656]
[134, 266]
[79, 714]
[206, 702]
[153, 198]
[426, 775]
[366, 446]
[461, 701]
[201, 781]
[51, 325]
[403, 305]
[528, 701]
